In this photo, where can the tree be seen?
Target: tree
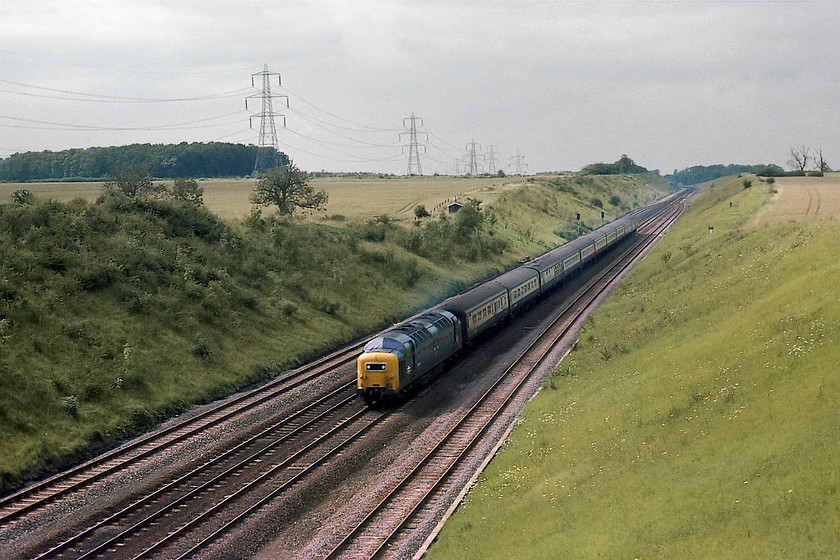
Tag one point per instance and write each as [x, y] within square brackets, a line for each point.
[799, 157]
[187, 190]
[287, 188]
[469, 218]
[820, 163]
[421, 212]
[132, 181]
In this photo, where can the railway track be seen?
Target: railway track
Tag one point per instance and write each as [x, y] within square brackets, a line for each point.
[382, 531]
[182, 517]
[15, 508]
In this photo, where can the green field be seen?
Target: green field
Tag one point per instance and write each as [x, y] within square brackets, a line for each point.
[697, 417]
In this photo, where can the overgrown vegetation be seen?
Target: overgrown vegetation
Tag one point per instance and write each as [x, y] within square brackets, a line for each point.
[117, 313]
[697, 416]
[623, 166]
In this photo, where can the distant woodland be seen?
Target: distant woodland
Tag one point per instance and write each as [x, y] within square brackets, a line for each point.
[702, 173]
[163, 161]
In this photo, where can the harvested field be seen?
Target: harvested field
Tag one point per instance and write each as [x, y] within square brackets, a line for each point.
[349, 197]
[803, 198]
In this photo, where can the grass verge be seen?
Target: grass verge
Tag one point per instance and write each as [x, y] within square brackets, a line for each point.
[697, 417]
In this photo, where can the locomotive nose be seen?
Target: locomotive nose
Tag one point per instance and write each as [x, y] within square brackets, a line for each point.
[377, 374]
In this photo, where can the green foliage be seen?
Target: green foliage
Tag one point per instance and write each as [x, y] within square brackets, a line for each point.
[23, 196]
[421, 212]
[623, 166]
[141, 306]
[465, 236]
[184, 160]
[187, 190]
[287, 188]
[702, 173]
[132, 181]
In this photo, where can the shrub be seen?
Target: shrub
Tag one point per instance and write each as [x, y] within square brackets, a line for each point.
[187, 190]
[23, 197]
[201, 349]
[70, 405]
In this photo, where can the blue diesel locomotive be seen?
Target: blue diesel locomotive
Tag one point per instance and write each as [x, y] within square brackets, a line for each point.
[405, 355]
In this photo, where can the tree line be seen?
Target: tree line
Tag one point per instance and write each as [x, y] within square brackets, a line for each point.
[702, 173]
[165, 161]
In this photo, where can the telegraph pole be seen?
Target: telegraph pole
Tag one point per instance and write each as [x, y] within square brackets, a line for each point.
[413, 146]
[268, 147]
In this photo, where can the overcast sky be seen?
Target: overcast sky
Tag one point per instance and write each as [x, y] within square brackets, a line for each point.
[564, 84]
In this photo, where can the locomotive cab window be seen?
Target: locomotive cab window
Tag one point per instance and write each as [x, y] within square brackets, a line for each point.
[372, 366]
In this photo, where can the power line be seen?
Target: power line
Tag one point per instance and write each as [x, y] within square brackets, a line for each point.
[100, 98]
[51, 125]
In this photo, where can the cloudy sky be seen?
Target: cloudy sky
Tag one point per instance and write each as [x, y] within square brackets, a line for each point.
[562, 83]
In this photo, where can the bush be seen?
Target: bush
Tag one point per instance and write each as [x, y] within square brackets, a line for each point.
[201, 349]
[421, 212]
[70, 405]
[23, 197]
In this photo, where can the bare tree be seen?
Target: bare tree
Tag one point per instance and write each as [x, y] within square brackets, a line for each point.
[819, 161]
[799, 157]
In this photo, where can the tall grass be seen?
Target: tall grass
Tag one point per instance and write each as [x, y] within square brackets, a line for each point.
[697, 417]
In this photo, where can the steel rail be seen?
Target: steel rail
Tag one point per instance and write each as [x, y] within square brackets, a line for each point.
[27, 499]
[589, 294]
[163, 508]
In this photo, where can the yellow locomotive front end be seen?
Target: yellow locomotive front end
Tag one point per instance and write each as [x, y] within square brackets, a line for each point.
[378, 376]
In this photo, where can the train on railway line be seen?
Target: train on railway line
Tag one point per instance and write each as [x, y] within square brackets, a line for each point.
[407, 354]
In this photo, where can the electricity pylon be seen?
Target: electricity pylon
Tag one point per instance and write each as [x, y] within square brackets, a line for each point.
[472, 158]
[518, 164]
[413, 146]
[491, 158]
[268, 148]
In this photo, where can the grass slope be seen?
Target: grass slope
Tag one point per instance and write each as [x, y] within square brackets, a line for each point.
[697, 417]
[119, 313]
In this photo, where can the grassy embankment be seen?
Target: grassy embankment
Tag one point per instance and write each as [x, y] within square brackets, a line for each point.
[116, 314]
[697, 417]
